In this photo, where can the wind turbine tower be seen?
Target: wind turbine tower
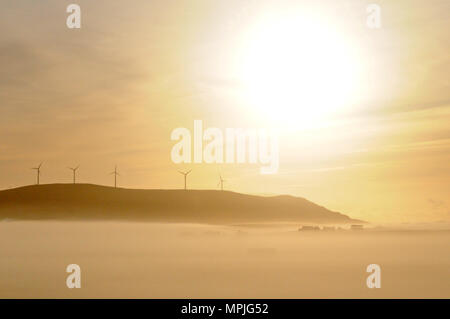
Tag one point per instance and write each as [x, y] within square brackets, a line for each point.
[115, 176]
[38, 171]
[221, 182]
[185, 176]
[74, 170]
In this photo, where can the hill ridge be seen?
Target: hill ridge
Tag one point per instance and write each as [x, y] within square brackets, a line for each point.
[91, 201]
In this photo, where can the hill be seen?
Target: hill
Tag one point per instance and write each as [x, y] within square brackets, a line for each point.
[94, 202]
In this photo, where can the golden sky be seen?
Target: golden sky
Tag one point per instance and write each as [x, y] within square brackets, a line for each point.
[368, 137]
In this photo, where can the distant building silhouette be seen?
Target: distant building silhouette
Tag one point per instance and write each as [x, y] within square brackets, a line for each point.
[309, 228]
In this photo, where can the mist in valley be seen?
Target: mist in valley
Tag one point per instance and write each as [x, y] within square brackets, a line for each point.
[162, 260]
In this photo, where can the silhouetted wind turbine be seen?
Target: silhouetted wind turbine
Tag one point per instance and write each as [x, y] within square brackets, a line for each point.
[38, 171]
[74, 170]
[221, 182]
[115, 176]
[185, 176]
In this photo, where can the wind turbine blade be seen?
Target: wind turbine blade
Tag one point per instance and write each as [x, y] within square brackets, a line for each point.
[189, 171]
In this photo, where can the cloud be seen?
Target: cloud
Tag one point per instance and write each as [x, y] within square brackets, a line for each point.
[20, 64]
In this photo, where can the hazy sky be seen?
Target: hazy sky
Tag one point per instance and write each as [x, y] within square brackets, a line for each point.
[113, 91]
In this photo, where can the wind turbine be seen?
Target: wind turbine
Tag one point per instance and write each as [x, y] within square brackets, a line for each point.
[185, 176]
[221, 182]
[115, 176]
[74, 170]
[38, 171]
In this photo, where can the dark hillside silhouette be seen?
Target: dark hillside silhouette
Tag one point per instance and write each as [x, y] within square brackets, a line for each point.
[86, 201]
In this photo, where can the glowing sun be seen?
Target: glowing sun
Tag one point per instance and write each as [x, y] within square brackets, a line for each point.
[298, 69]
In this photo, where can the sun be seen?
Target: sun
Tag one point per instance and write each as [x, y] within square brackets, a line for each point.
[298, 69]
